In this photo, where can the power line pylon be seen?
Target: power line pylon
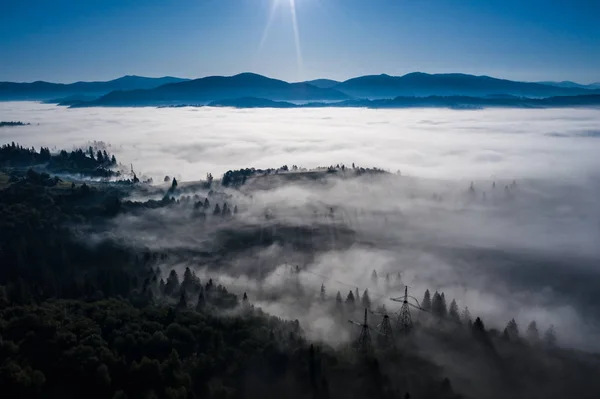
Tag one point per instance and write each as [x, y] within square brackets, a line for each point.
[404, 321]
[363, 344]
[386, 339]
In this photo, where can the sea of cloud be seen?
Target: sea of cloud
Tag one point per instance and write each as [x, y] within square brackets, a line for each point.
[433, 143]
[530, 253]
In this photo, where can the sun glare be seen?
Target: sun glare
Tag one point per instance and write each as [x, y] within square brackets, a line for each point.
[292, 7]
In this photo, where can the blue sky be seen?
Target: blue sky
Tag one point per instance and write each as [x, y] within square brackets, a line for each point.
[71, 40]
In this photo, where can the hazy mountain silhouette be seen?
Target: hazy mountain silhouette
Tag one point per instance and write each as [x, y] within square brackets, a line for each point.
[568, 83]
[46, 91]
[215, 88]
[323, 83]
[453, 84]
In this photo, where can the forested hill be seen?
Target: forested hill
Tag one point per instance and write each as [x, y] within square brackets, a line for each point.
[86, 314]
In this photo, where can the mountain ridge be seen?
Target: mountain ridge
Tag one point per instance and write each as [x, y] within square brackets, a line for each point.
[422, 84]
[133, 90]
[42, 91]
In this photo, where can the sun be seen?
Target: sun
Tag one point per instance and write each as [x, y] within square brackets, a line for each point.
[292, 7]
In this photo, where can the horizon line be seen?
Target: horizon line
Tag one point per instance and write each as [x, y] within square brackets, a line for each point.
[298, 81]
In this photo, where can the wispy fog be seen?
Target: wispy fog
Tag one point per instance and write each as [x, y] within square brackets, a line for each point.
[527, 249]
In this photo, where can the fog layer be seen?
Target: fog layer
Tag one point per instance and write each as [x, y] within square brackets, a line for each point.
[439, 143]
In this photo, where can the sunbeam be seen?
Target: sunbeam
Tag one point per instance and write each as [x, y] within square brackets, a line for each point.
[274, 5]
[296, 37]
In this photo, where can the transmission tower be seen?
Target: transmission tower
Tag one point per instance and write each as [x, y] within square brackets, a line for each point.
[387, 335]
[404, 321]
[385, 339]
[363, 344]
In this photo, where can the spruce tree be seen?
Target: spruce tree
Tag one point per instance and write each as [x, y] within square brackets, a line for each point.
[436, 304]
[366, 301]
[466, 316]
[443, 306]
[550, 337]
[350, 303]
[453, 312]
[338, 302]
[182, 301]
[172, 286]
[374, 277]
[322, 294]
[512, 329]
[533, 335]
[426, 303]
[356, 295]
[201, 304]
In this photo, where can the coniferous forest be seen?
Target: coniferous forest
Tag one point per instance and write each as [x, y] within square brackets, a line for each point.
[112, 287]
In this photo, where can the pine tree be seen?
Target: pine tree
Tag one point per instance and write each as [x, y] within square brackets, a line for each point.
[174, 184]
[478, 326]
[182, 301]
[436, 304]
[466, 316]
[387, 279]
[426, 304]
[443, 306]
[453, 312]
[366, 301]
[322, 295]
[356, 295]
[350, 303]
[113, 160]
[338, 301]
[161, 286]
[533, 335]
[217, 210]
[206, 203]
[99, 157]
[235, 210]
[172, 286]
[550, 337]
[374, 277]
[512, 329]
[188, 279]
[201, 304]
[245, 298]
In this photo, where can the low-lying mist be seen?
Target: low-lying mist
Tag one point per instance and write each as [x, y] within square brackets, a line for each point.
[496, 208]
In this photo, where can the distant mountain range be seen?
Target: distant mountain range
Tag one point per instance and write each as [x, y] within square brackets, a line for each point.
[567, 83]
[259, 91]
[42, 91]
[323, 83]
[205, 90]
[449, 84]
